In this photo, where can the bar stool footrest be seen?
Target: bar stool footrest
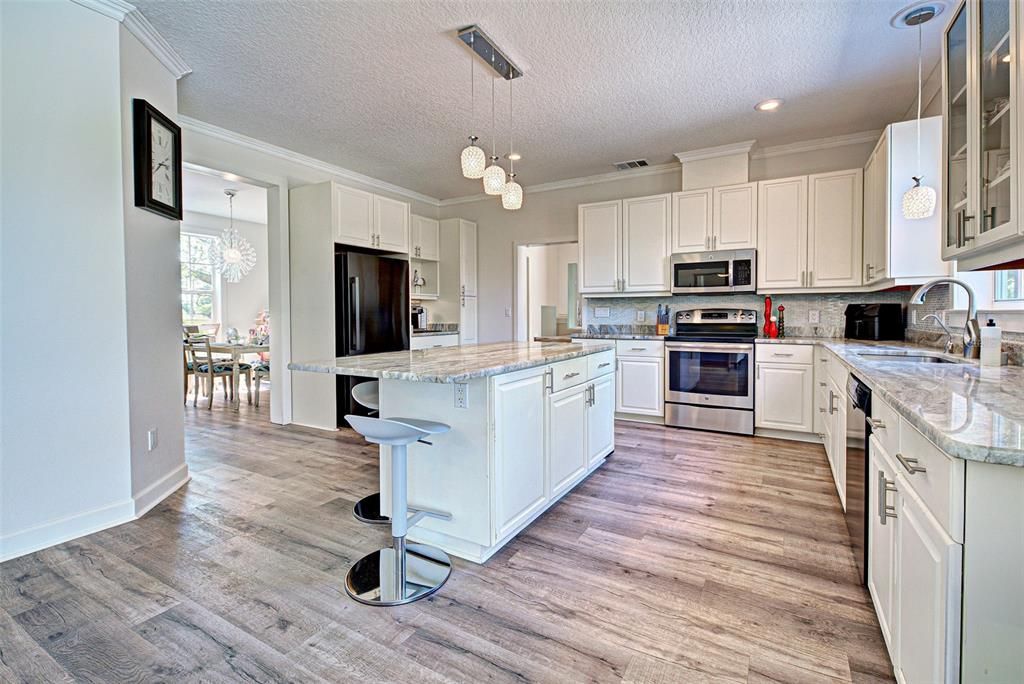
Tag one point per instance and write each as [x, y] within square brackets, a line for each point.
[367, 510]
[419, 514]
[373, 579]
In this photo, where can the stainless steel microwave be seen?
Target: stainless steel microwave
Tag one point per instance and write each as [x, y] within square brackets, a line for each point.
[721, 271]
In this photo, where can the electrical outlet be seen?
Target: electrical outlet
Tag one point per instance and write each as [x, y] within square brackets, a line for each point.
[508, 312]
[913, 317]
[814, 316]
[602, 312]
[152, 439]
[461, 395]
[639, 316]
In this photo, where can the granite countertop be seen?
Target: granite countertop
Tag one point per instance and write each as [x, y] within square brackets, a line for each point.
[429, 333]
[969, 412]
[615, 336]
[451, 364]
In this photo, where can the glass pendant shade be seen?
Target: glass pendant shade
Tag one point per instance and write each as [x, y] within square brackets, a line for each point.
[473, 160]
[512, 194]
[918, 201]
[494, 178]
[234, 256]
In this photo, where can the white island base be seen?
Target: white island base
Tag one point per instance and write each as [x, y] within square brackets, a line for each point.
[518, 443]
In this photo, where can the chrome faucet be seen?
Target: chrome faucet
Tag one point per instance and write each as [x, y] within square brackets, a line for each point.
[972, 333]
[949, 333]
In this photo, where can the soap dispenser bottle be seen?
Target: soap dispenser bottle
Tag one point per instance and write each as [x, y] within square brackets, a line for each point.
[991, 344]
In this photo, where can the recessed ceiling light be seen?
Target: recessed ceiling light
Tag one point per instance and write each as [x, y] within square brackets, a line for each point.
[768, 105]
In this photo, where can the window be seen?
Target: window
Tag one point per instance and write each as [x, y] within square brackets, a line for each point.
[1009, 286]
[200, 285]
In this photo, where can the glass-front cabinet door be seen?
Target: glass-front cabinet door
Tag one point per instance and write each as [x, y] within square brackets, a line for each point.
[995, 124]
[956, 96]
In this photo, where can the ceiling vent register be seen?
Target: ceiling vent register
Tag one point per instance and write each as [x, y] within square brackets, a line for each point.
[632, 164]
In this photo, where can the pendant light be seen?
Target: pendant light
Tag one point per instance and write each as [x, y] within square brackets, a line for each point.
[919, 201]
[494, 175]
[512, 193]
[473, 158]
[232, 253]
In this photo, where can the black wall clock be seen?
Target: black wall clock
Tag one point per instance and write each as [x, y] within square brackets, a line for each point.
[157, 161]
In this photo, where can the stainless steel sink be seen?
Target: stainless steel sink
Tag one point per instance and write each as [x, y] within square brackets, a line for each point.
[904, 357]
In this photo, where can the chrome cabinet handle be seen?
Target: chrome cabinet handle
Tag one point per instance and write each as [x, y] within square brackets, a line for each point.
[782, 353]
[885, 486]
[549, 380]
[876, 423]
[604, 365]
[831, 402]
[569, 375]
[910, 464]
[636, 349]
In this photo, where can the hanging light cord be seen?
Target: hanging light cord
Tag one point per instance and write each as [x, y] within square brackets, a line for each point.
[494, 135]
[919, 88]
[511, 149]
[472, 82]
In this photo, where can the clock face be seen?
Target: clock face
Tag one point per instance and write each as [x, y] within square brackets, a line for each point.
[163, 164]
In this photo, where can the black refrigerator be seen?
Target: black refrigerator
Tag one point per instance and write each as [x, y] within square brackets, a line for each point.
[371, 299]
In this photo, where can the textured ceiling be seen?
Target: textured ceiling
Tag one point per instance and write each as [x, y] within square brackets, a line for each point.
[204, 193]
[382, 87]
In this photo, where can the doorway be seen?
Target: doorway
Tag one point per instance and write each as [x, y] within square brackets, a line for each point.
[547, 291]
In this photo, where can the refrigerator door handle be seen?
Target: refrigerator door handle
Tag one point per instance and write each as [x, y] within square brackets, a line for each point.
[357, 337]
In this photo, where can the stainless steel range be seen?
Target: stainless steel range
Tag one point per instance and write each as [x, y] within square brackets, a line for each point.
[709, 370]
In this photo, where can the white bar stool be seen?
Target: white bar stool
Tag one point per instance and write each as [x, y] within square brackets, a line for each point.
[367, 509]
[405, 572]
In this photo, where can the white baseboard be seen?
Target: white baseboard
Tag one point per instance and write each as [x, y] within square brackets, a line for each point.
[65, 529]
[161, 489]
[811, 437]
[82, 524]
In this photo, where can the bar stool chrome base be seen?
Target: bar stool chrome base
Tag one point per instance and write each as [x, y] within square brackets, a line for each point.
[367, 510]
[373, 579]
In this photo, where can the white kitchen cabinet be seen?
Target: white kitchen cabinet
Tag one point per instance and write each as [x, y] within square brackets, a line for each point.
[426, 239]
[601, 419]
[353, 217]
[458, 276]
[784, 396]
[928, 580]
[391, 224]
[782, 233]
[834, 229]
[691, 221]
[468, 320]
[646, 226]
[600, 238]
[520, 444]
[640, 385]
[835, 410]
[567, 437]
[876, 212]
[468, 257]
[735, 217]
[433, 341]
[882, 505]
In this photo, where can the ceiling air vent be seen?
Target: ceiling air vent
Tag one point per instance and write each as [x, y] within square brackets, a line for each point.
[633, 164]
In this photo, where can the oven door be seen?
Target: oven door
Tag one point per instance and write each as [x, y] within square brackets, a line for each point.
[710, 373]
[695, 274]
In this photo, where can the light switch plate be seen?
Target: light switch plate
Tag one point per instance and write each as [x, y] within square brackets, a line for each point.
[639, 316]
[152, 439]
[814, 316]
[508, 312]
[602, 312]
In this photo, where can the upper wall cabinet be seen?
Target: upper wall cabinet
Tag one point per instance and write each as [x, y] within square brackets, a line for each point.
[981, 134]
[426, 239]
[363, 219]
[714, 218]
[624, 245]
[809, 231]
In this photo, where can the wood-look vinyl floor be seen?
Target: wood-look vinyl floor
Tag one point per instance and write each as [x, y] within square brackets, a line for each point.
[688, 557]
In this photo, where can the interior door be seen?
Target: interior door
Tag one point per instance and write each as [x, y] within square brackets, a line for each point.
[782, 233]
[567, 443]
[600, 237]
[646, 225]
[835, 229]
[353, 216]
[601, 419]
[735, 217]
[691, 221]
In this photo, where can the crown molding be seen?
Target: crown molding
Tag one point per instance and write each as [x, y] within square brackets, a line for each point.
[197, 126]
[817, 144]
[742, 147]
[671, 167]
[132, 19]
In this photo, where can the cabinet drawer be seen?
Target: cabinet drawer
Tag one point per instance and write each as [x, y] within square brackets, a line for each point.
[785, 353]
[433, 341]
[640, 348]
[601, 363]
[887, 431]
[569, 373]
[940, 485]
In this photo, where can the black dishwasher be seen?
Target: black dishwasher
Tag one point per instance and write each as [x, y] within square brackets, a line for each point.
[858, 429]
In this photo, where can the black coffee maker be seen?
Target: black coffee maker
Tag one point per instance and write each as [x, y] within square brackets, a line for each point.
[874, 322]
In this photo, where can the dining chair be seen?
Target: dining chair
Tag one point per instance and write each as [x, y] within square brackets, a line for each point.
[260, 370]
[205, 366]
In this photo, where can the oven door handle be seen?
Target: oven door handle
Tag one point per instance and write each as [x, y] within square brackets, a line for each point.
[708, 347]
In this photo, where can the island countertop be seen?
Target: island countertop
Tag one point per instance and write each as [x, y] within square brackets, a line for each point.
[451, 364]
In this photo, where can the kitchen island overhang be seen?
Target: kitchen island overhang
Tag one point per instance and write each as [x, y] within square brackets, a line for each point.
[529, 421]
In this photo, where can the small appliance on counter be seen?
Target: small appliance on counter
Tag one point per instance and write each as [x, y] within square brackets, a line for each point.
[874, 322]
[419, 318]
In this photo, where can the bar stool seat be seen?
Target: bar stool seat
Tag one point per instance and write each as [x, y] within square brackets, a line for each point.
[367, 509]
[405, 572]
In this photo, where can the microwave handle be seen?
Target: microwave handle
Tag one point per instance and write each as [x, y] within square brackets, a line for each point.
[709, 347]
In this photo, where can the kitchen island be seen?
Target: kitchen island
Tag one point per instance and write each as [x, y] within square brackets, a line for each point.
[529, 421]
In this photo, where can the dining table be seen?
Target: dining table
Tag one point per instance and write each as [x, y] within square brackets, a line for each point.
[236, 350]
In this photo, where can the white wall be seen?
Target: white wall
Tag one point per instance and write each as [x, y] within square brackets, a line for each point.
[65, 416]
[241, 301]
